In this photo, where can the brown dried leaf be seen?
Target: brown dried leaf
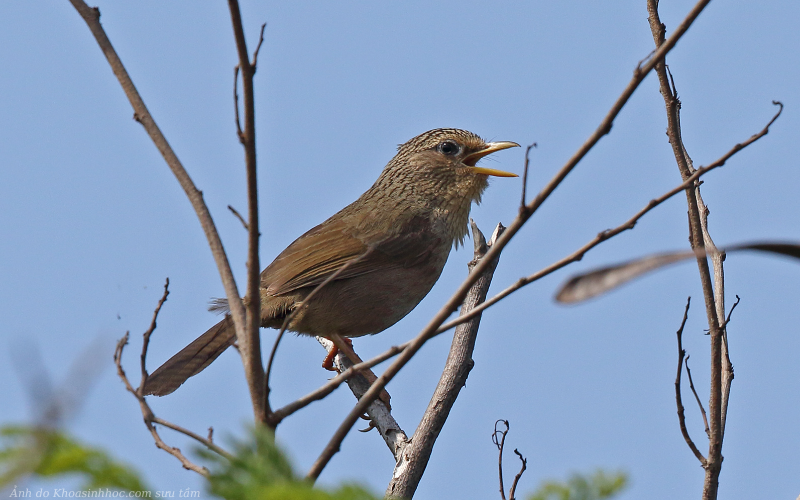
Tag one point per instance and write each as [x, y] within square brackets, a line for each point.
[594, 283]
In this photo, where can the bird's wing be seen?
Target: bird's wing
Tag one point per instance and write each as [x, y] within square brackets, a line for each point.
[323, 250]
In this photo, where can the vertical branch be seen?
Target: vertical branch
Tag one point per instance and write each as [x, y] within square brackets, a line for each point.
[250, 342]
[698, 242]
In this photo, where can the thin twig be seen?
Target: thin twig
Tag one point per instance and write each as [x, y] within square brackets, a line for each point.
[207, 442]
[678, 399]
[524, 199]
[239, 216]
[150, 419]
[148, 333]
[728, 319]
[452, 304]
[147, 413]
[238, 121]
[696, 397]
[512, 492]
[254, 64]
[500, 443]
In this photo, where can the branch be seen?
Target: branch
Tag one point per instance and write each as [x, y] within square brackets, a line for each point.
[452, 304]
[713, 295]
[147, 413]
[92, 18]
[524, 461]
[333, 383]
[696, 397]
[678, 399]
[380, 414]
[148, 333]
[525, 177]
[250, 342]
[411, 462]
[500, 443]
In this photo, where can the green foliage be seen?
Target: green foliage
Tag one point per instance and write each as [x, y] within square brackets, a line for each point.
[598, 486]
[37, 451]
[260, 470]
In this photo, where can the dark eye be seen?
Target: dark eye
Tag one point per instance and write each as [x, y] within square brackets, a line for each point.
[449, 148]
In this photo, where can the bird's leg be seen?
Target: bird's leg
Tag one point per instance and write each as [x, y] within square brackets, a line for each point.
[327, 363]
[345, 346]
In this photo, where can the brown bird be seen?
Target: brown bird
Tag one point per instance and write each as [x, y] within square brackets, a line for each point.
[396, 236]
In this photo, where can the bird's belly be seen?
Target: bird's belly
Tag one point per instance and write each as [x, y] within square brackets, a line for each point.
[366, 304]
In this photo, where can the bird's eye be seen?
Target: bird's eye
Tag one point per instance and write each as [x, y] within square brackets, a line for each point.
[449, 148]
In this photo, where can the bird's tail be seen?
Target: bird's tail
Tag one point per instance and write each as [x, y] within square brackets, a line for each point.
[191, 360]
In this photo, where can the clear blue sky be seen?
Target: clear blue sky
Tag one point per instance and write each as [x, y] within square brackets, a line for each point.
[92, 221]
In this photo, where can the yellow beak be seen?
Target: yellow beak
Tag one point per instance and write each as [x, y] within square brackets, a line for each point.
[490, 148]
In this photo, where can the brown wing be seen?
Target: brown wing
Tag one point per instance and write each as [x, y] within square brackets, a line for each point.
[323, 250]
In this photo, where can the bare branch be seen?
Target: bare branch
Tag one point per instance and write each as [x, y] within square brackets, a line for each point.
[250, 340]
[147, 413]
[512, 492]
[500, 442]
[239, 132]
[696, 397]
[239, 216]
[452, 304]
[678, 399]
[332, 384]
[379, 412]
[150, 419]
[254, 64]
[525, 178]
[148, 333]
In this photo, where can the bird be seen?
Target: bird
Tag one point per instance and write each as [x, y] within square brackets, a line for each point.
[392, 242]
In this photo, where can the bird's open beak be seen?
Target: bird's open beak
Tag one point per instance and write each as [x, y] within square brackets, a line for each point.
[490, 148]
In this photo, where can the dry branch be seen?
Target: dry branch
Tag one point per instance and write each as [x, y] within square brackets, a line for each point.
[250, 342]
[147, 413]
[678, 399]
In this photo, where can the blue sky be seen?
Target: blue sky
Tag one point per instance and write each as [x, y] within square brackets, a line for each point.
[93, 222]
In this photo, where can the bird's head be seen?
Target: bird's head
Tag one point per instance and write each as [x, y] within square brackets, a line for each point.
[442, 163]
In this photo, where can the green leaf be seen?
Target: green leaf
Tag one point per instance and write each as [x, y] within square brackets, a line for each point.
[600, 485]
[29, 450]
[260, 470]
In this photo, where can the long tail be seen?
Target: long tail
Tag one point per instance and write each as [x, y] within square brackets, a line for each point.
[192, 359]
